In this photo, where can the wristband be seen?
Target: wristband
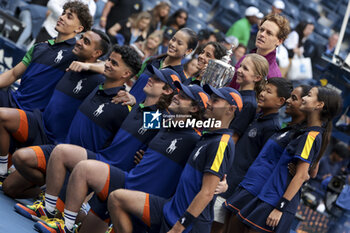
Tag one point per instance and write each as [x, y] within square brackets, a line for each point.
[103, 18]
[282, 204]
[186, 219]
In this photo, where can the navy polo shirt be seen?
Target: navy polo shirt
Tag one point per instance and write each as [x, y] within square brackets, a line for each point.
[306, 147]
[137, 88]
[69, 93]
[214, 154]
[264, 164]
[97, 120]
[46, 64]
[130, 138]
[243, 118]
[248, 148]
[160, 169]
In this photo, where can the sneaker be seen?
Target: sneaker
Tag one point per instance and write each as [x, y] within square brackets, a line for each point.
[53, 226]
[35, 212]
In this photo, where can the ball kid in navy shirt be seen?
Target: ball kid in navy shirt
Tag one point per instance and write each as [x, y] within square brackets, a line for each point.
[276, 204]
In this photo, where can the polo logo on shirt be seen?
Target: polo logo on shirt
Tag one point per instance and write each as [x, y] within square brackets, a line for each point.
[197, 153]
[99, 110]
[141, 131]
[78, 87]
[252, 133]
[172, 147]
[282, 136]
[59, 56]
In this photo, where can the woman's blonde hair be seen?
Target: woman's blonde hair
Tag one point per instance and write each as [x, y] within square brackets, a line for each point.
[157, 33]
[261, 69]
[140, 16]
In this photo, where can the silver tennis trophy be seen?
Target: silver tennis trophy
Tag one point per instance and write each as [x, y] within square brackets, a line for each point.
[219, 73]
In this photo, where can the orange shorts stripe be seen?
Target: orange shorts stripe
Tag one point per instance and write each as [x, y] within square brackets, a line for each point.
[40, 157]
[21, 134]
[253, 223]
[146, 217]
[60, 205]
[104, 193]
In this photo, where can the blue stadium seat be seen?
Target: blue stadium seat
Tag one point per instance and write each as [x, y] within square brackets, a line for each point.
[207, 5]
[198, 13]
[147, 5]
[341, 10]
[305, 16]
[177, 4]
[311, 7]
[296, 2]
[292, 22]
[195, 24]
[318, 39]
[292, 10]
[249, 3]
[330, 4]
[322, 30]
[225, 20]
[265, 7]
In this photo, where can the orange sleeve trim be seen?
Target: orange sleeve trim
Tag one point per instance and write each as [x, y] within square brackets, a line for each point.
[40, 156]
[146, 217]
[21, 134]
[104, 193]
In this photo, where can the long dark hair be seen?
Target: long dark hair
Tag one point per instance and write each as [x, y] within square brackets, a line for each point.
[332, 107]
[300, 30]
[165, 100]
[172, 18]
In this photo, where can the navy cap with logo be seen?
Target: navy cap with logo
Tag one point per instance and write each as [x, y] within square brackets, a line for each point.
[227, 93]
[169, 32]
[167, 75]
[195, 92]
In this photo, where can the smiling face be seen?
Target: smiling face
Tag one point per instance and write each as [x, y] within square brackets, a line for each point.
[181, 104]
[68, 23]
[246, 72]
[87, 45]
[115, 67]
[269, 98]
[216, 107]
[267, 39]
[154, 87]
[153, 42]
[310, 102]
[178, 45]
[206, 54]
[293, 103]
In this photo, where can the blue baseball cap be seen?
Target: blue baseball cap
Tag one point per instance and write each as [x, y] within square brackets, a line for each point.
[167, 75]
[195, 92]
[227, 93]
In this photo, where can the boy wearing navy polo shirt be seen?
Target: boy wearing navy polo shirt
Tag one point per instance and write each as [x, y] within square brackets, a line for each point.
[169, 149]
[265, 124]
[45, 63]
[130, 138]
[37, 128]
[97, 120]
[190, 209]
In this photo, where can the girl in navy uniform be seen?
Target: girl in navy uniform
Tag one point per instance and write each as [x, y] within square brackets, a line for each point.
[212, 50]
[182, 44]
[274, 208]
[268, 157]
